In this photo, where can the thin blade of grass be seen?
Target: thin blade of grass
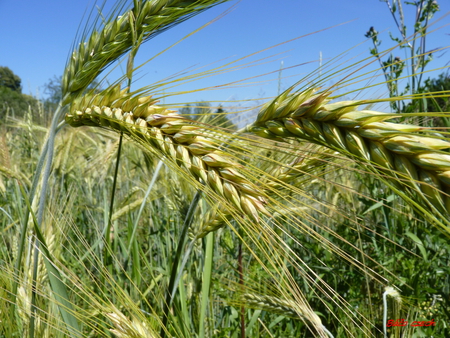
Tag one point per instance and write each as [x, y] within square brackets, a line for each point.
[57, 285]
[207, 274]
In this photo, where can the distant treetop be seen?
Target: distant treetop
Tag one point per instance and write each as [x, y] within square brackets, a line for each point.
[10, 80]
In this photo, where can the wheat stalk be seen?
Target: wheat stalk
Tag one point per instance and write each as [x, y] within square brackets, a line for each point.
[394, 150]
[118, 36]
[173, 137]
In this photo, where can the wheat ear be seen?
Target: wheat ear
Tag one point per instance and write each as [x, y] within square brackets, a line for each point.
[395, 150]
[174, 137]
[285, 307]
[126, 328]
[118, 36]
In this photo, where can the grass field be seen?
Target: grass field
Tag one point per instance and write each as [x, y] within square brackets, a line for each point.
[321, 217]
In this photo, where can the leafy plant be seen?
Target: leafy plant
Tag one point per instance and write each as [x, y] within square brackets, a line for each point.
[415, 44]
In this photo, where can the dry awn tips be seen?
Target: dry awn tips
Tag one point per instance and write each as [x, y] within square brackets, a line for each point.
[174, 137]
[398, 151]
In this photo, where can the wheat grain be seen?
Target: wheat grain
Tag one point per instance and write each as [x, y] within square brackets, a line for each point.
[126, 209]
[126, 328]
[5, 157]
[23, 304]
[172, 136]
[272, 304]
[395, 150]
[285, 307]
[212, 221]
[118, 36]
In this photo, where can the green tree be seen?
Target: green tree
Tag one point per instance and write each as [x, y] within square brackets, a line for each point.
[53, 93]
[431, 102]
[202, 112]
[12, 101]
[441, 83]
[10, 80]
[53, 89]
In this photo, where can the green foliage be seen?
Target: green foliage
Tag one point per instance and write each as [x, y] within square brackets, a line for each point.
[419, 57]
[15, 104]
[10, 80]
[427, 101]
[441, 83]
[12, 102]
[202, 112]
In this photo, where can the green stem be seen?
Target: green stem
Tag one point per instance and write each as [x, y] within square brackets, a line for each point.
[57, 285]
[147, 193]
[206, 282]
[107, 248]
[47, 152]
[384, 314]
[241, 283]
[174, 273]
[33, 289]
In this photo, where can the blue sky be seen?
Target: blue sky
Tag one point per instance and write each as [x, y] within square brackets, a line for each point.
[37, 36]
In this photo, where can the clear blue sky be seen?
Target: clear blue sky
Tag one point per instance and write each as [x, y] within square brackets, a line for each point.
[36, 37]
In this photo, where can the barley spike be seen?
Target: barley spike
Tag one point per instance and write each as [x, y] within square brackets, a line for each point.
[199, 155]
[116, 38]
[398, 151]
[284, 307]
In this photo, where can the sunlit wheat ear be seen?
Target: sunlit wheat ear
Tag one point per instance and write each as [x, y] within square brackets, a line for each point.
[214, 220]
[5, 163]
[23, 304]
[126, 328]
[400, 152]
[126, 209]
[273, 181]
[174, 137]
[118, 36]
[393, 293]
[284, 307]
[5, 157]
